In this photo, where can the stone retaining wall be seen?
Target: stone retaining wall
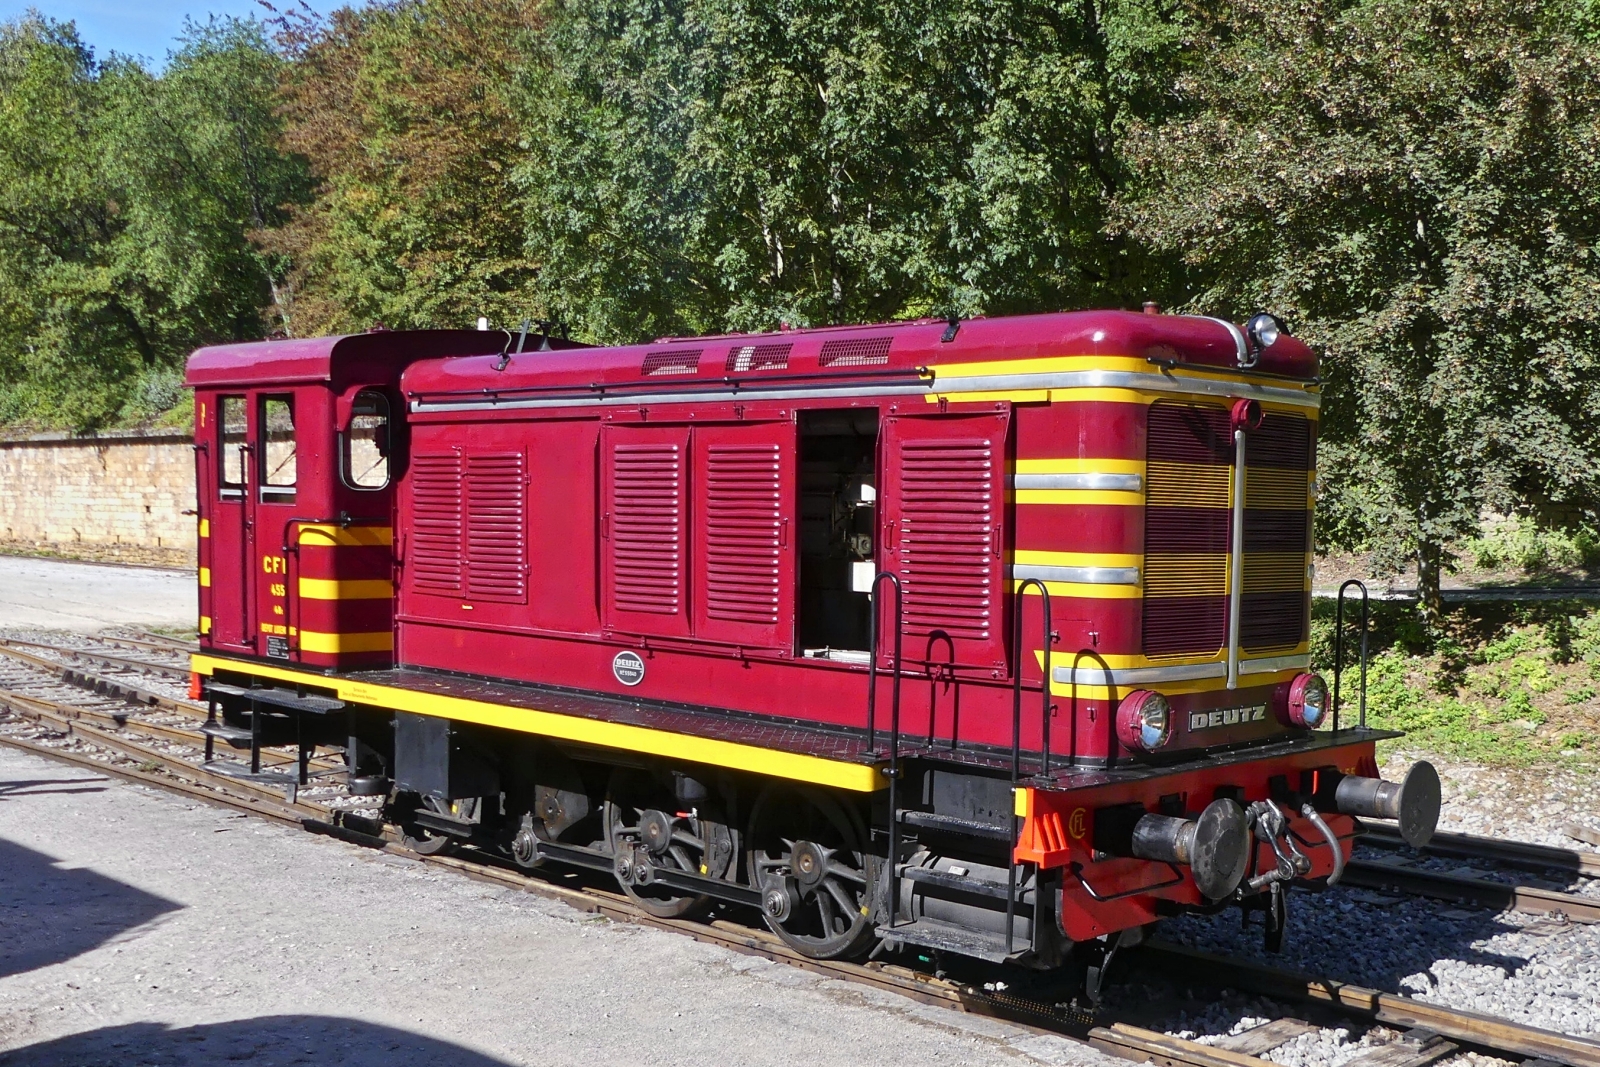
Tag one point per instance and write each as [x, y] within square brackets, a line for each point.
[115, 495]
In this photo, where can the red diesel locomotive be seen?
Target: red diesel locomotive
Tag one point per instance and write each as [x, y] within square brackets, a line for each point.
[985, 637]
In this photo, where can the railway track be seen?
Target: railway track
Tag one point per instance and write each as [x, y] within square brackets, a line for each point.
[1424, 1033]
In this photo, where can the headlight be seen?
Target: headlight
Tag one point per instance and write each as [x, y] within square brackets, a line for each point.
[1144, 721]
[1308, 701]
[1264, 329]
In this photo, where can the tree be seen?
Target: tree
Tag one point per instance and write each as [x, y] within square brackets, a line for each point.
[699, 165]
[1411, 184]
[128, 200]
[401, 110]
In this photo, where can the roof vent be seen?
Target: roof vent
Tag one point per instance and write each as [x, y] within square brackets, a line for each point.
[758, 357]
[678, 361]
[860, 352]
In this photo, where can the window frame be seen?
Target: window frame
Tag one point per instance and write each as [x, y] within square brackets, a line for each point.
[345, 474]
[225, 488]
[273, 493]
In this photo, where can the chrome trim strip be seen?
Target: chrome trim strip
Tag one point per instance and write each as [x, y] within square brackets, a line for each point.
[1127, 483]
[752, 390]
[1240, 349]
[1186, 672]
[1236, 561]
[1081, 575]
[1140, 675]
[1275, 663]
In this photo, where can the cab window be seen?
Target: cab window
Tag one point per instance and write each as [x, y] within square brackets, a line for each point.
[366, 443]
[231, 422]
[278, 449]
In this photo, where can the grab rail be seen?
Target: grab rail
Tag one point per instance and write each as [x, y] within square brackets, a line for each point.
[893, 772]
[1338, 649]
[1016, 745]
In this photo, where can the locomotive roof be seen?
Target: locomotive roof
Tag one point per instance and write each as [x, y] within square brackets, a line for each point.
[889, 348]
[321, 359]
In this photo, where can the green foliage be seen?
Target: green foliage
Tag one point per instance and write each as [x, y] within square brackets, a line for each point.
[401, 109]
[700, 165]
[128, 199]
[1523, 544]
[1504, 685]
[1412, 185]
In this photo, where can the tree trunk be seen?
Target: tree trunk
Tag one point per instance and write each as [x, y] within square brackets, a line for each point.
[1430, 601]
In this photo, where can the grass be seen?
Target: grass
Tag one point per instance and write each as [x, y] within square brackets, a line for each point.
[1503, 685]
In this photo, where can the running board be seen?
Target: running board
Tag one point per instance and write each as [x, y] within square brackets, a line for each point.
[944, 937]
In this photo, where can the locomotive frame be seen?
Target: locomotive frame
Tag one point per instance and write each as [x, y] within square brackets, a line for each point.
[983, 637]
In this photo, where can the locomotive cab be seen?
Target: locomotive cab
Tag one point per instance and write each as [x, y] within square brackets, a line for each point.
[298, 448]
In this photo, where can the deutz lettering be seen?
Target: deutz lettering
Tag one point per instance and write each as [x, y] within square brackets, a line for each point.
[1206, 720]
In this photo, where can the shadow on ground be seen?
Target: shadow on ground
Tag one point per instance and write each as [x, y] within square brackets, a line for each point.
[51, 913]
[272, 1039]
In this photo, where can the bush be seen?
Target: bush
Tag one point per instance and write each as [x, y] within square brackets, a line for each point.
[1521, 544]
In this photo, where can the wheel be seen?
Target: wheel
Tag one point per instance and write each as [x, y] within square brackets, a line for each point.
[420, 839]
[647, 830]
[809, 861]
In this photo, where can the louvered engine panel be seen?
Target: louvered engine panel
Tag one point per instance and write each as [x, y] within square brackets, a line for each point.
[497, 536]
[742, 579]
[644, 527]
[433, 561]
[1188, 524]
[944, 536]
[1275, 610]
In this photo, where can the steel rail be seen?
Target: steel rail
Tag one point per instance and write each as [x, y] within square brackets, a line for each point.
[103, 684]
[170, 647]
[125, 721]
[1467, 1027]
[1442, 885]
[165, 669]
[169, 642]
[94, 735]
[175, 785]
[1522, 854]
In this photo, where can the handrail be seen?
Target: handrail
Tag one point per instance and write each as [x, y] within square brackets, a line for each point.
[1016, 743]
[1338, 648]
[893, 772]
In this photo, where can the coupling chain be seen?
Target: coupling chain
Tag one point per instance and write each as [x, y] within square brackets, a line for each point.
[1269, 824]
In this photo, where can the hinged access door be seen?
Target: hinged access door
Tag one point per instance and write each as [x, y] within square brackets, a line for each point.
[644, 529]
[743, 574]
[943, 535]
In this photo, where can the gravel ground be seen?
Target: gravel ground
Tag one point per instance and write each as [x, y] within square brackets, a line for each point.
[138, 927]
[1524, 803]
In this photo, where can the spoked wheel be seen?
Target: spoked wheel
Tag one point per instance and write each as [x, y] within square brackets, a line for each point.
[808, 858]
[418, 838]
[647, 830]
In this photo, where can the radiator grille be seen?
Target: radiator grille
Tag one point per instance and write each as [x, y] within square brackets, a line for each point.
[757, 357]
[862, 352]
[947, 522]
[678, 361]
[647, 528]
[497, 563]
[1188, 521]
[743, 517]
[435, 563]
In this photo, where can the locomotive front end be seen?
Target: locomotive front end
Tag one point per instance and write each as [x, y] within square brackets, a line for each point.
[1208, 764]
